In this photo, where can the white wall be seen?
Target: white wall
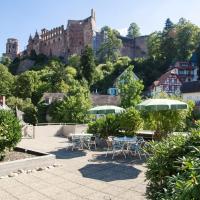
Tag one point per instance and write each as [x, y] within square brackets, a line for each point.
[58, 130]
[195, 96]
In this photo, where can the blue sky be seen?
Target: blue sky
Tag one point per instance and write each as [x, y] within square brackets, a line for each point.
[19, 18]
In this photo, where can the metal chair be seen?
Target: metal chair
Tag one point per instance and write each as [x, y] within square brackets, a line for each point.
[109, 142]
[77, 143]
[92, 141]
[118, 147]
[137, 147]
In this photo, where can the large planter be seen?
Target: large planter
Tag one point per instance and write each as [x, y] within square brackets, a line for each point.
[40, 160]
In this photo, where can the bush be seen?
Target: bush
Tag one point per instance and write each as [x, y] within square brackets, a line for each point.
[130, 121]
[126, 123]
[173, 169]
[105, 126]
[10, 131]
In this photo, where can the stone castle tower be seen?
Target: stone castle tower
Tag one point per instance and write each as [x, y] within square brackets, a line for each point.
[12, 48]
[61, 42]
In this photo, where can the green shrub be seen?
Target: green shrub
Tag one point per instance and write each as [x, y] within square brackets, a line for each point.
[173, 169]
[105, 126]
[130, 121]
[10, 131]
[125, 123]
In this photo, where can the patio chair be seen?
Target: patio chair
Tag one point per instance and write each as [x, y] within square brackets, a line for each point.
[118, 147]
[92, 142]
[109, 142]
[137, 148]
[76, 142]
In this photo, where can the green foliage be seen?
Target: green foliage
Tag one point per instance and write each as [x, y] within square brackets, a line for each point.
[105, 126]
[173, 168]
[108, 73]
[25, 105]
[167, 121]
[176, 42]
[4, 60]
[125, 123]
[74, 61]
[130, 121]
[10, 131]
[87, 64]
[130, 88]
[133, 30]
[73, 109]
[168, 24]
[109, 49]
[29, 85]
[6, 81]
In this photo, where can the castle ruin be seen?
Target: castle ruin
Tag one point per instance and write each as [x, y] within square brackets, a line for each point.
[61, 42]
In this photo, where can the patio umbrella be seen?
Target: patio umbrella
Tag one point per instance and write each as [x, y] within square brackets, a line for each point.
[105, 109]
[161, 104]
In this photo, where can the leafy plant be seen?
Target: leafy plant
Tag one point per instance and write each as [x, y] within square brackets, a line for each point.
[10, 131]
[173, 169]
[125, 123]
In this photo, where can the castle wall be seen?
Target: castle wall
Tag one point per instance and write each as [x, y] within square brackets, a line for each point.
[75, 37]
[62, 42]
[53, 42]
[127, 47]
[140, 47]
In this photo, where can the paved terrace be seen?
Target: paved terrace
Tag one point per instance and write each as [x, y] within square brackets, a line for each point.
[82, 175]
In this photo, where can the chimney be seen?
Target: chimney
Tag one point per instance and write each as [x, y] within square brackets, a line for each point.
[2, 100]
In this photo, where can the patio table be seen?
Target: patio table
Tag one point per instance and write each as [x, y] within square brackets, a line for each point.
[126, 139]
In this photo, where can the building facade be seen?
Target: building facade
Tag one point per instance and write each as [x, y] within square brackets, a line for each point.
[186, 71]
[61, 42]
[168, 83]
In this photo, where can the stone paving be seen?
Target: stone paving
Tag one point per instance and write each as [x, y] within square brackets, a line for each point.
[86, 175]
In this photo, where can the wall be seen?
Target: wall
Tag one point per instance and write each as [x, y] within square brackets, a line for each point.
[58, 130]
[192, 96]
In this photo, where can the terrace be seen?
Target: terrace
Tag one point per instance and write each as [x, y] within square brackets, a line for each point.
[81, 175]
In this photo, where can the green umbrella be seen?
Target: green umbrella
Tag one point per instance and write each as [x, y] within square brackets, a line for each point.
[105, 109]
[161, 104]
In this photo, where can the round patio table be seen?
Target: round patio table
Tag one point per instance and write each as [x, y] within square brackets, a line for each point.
[125, 139]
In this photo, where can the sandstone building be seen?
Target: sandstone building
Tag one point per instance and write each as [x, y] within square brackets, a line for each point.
[63, 42]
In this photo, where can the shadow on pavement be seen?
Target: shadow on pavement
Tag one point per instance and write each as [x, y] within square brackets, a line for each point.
[67, 154]
[118, 159]
[109, 171]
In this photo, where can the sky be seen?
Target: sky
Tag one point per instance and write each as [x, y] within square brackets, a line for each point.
[20, 18]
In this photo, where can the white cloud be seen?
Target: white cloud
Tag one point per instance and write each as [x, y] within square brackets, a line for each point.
[123, 31]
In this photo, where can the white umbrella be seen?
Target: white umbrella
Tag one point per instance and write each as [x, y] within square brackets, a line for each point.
[105, 109]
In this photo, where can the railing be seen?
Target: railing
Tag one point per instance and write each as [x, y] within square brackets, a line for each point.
[44, 124]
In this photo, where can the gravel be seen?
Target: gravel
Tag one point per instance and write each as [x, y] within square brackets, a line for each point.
[16, 155]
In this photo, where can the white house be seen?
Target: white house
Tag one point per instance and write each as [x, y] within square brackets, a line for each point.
[191, 91]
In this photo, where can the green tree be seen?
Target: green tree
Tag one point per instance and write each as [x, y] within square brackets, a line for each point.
[26, 84]
[25, 105]
[4, 60]
[168, 24]
[87, 64]
[110, 48]
[130, 88]
[73, 109]
[6, 81]
[133, 30]
[74, 61]
[187, 39]
[10, 132]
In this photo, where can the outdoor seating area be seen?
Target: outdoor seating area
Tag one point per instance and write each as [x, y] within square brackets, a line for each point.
[126, 146]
